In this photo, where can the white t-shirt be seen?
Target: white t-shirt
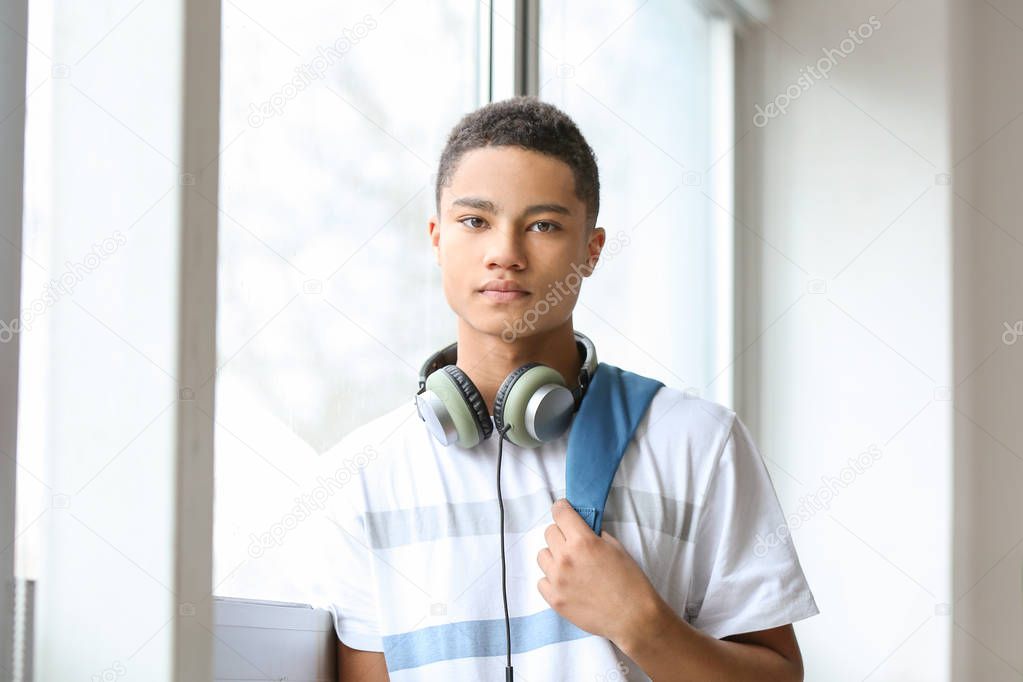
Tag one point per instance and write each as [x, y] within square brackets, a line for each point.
[409, 554]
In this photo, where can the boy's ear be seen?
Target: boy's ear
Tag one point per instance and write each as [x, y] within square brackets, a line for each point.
[594, 246]
[433, 228]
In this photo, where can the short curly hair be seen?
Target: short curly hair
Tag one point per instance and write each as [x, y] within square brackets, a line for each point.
[531, 124]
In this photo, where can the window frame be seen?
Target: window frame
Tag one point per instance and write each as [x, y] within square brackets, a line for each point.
[13, 63]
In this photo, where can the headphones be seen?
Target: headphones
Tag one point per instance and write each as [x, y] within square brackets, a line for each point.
[533, 402]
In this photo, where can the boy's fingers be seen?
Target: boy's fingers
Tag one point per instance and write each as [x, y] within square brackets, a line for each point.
[567, 518]
[554, 537]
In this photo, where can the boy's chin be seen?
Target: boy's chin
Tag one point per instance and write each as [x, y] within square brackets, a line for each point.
[507, 327]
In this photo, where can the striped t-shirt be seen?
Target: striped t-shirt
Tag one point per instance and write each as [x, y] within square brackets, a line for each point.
[410, 547]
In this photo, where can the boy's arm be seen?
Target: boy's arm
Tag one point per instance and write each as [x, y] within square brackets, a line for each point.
[593, 582]
[670, 650]
[355, 665]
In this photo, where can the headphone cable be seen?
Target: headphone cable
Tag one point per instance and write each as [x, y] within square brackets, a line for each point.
[508, 672]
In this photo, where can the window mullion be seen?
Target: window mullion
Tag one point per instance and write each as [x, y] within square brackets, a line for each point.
[527, 47]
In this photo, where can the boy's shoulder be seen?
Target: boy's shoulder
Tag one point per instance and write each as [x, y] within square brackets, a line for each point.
[675, 412]
[365, 459]
[378, 435]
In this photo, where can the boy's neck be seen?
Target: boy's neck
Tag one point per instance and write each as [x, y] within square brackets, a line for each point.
[489, 359]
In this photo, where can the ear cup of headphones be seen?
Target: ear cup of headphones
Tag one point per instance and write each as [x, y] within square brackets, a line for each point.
[502, 394]
[465, 408]
[535, 402]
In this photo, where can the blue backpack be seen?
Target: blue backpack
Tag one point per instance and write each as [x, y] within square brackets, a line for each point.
[607, 418]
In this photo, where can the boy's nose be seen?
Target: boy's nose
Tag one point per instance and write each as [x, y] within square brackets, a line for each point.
[505, 248]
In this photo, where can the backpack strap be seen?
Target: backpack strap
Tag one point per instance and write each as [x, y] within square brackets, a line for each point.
[607, 418]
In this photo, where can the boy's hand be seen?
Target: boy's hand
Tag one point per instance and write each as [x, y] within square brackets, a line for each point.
[591, 580]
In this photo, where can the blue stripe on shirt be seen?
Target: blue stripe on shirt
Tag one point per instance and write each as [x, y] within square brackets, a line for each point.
[477, 638]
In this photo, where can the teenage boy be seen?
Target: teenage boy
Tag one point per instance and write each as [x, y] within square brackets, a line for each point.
[694, 576]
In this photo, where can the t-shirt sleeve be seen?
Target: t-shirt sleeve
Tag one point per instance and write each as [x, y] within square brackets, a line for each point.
[746, 575]
[341, 571]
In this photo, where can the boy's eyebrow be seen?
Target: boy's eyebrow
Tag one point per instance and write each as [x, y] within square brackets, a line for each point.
[477, 203]
[481, 204]
[547, 208]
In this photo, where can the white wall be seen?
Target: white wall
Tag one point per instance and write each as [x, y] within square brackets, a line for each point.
[846, 188]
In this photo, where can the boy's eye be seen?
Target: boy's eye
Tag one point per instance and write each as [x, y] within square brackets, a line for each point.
[550, 227]
[465, 222]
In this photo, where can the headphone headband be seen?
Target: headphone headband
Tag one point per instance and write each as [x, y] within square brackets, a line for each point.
[448, 355]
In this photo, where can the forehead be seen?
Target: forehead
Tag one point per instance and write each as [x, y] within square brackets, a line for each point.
[512, 176]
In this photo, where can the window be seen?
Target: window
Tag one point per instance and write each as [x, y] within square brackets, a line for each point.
[649, 85]
[333, 117]
[329, 297]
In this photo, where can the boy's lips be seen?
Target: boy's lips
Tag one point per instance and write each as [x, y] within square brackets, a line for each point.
[495, 295]
[502, 285]
[503, 290]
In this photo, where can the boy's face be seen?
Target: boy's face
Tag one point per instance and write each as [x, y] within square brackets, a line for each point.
[512, 214]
